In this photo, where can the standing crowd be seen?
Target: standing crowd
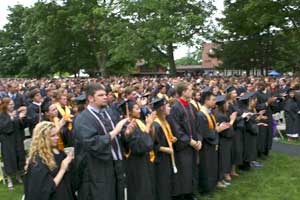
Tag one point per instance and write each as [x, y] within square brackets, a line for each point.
[139, 138]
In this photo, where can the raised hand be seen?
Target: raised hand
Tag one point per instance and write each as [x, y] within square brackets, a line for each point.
[130, 128]
[150, 118]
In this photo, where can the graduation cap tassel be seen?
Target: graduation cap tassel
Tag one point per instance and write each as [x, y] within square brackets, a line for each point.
[127, 110]
[173, 163]
[125, 193]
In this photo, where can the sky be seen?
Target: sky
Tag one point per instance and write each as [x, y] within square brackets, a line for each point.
[181, 51]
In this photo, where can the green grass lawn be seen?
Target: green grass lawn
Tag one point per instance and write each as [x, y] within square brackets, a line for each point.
[279, 179]
[15, 194]
[294, 141]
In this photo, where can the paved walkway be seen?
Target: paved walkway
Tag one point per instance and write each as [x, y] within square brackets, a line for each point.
[289, 149]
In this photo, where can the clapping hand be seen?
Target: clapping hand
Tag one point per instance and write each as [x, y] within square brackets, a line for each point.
[150, 118]
[223, 126]
[130, 128]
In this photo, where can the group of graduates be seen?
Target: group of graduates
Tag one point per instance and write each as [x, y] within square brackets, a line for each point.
[154, 139]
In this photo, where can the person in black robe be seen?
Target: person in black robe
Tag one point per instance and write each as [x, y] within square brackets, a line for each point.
[183, 124]
[248, 105]
[96, 149]
[297, 97]
[265, 101]
[45, 178]
[11, 138]
[226, 139]
[238, 129]
[209, 129]
[291, 115]
[139, 153]
[34, 111]
[165, 164]
[67, 129]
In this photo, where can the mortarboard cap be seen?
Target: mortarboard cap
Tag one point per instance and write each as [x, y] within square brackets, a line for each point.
[247, 96]
[126, 106]
[230, 88]
[220, 99]
[157, 103]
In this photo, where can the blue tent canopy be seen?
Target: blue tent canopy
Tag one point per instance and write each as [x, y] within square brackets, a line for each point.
[274, 73]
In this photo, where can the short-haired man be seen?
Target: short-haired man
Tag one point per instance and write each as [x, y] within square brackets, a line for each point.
[182, 121]
[97, 148]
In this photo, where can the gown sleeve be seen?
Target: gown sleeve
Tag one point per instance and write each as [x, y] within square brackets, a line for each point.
[89, 139]
[139, 142]
[211, 136]
[39, 184]
[159, 136]
[183, 138]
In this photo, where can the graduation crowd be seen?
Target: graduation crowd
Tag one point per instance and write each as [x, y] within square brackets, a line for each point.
[139, 138]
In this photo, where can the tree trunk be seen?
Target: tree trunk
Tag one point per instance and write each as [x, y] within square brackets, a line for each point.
[101, 62]
[170, 52]
[262, 70]
[248, 72]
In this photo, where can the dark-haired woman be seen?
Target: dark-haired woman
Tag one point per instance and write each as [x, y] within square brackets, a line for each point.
[50, 114]
[139, 153]
[238, 127]
[226, 139]
[248, 104]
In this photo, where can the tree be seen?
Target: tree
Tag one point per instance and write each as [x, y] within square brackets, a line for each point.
[12, 50]
[257, 25]
[162, 24]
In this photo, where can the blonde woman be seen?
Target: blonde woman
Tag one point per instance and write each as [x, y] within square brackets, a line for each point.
[46, 175]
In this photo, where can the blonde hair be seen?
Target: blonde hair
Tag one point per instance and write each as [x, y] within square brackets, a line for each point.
[41, 145]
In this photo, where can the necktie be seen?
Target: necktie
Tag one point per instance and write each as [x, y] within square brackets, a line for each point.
[104, 118]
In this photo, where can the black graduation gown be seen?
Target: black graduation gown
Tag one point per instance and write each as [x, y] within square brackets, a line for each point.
[39, 181]
[183, 125]
[119, 163]
[238, 129]
[12, 146]
[93, 159]
[139, 169]
[162, 166]
[250, 138]
[208, 167]
[291, 115]
[262, 98]
[225, 146]
[297, 128]
[33, 113]
[262, 137]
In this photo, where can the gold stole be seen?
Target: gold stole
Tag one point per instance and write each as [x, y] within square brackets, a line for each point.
[167, 131]
[142, 126]
[60, 143]
[211, 121]
[160, 95]
[210, 118]
[197, 105]
[65, 113]
[116, 94]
